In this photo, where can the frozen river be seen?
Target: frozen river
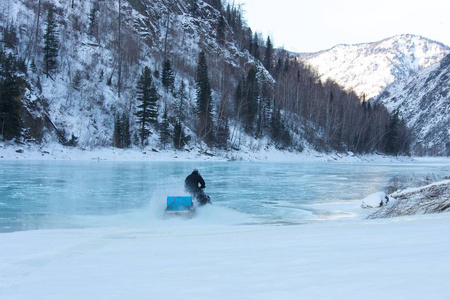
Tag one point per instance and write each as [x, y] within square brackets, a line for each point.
[78, 194]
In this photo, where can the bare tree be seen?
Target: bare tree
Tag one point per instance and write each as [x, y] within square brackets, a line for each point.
[119, 72]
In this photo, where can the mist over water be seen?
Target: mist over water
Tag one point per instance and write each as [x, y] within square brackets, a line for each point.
[69, 194]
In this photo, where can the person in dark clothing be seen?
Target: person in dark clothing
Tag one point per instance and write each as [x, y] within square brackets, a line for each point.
[194, 184]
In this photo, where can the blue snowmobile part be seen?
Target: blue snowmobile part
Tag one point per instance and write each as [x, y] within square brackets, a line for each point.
[179, 205]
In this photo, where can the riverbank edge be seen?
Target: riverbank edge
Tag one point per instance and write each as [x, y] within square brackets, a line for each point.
[11, 151]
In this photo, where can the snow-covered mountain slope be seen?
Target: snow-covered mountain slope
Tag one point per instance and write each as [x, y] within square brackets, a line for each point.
[103, 49]
[103, 46]
[368, 68]
[423, 101]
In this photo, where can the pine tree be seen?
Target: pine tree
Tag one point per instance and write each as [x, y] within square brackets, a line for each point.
[51, 44]
[93, 20]
[121, 134]
[125, 130]
[279, 133]
[217, 4]
[182, 96]
[164, 132]
[223, 134]
[250, 45]
[275, 125]
[251, 100]
[10, 108]
[179, 138]
[117, 134]
[221, 31]
[268, 57]
[204, 99]
[10, 39]
[168, 77]
[256, 47]
[246, 101]
[265, 109]
[147, 112]
[391, 135]
[193, 8]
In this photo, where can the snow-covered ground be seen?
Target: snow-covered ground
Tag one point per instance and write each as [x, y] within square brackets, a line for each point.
[429, 199]
[55, 151]
[399, 258]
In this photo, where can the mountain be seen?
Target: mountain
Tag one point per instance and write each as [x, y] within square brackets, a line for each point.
[423, 101]
[103, 46]
[368, 68]
[168, 74]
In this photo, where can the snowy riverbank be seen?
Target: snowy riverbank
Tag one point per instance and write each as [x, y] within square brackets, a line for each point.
[430, 199]
[11, 151]
[399, 258]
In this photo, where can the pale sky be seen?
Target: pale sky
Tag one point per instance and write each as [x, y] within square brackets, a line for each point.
[314, 25]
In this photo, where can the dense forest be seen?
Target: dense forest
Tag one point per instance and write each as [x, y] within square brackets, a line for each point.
[169, 94]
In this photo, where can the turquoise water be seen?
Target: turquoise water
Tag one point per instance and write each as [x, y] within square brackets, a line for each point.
[76, 194]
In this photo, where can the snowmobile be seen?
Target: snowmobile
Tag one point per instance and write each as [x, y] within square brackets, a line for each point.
[202, 198]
